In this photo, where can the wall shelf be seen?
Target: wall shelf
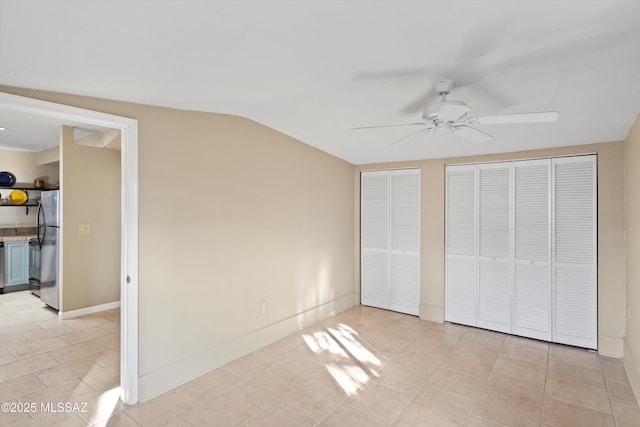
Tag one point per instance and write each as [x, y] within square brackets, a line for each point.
[28, 188]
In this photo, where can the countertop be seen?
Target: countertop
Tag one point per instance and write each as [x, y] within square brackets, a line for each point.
[16, 238]
[10, 234]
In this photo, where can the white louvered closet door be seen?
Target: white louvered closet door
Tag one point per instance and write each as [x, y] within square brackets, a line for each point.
[494, 247]
[532, 249]
[405, 241]
[460, 298]
[375, 239]
[390, 240]
[575, 257]
[521, 248]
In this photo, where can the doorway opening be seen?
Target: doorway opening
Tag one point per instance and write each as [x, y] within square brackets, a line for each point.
[129, 219]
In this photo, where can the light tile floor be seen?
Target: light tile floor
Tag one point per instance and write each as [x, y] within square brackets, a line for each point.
[363, 367]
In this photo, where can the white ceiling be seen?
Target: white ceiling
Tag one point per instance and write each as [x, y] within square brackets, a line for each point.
[315, 69]
[27, 132]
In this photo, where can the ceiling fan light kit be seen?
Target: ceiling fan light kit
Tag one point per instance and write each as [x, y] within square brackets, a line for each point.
[453, 116]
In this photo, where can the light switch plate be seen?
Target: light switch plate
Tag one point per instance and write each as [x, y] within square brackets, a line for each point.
[84, 228]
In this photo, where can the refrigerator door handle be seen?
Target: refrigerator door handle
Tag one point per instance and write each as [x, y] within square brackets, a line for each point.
[39, 225]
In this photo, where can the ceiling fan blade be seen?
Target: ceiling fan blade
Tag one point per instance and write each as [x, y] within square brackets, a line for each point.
[542, 117]
[406, 138]
[471, 134]
[389, 126]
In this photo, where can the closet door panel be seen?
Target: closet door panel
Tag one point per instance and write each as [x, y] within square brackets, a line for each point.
[575, 216]
[375, 210]
[374, 265]
[460, 288]
[460, 291]
[532, 301]
[494, 295]
[575, 313]
[374, 277]
[390, 240]
[532, 249]
[405, 241]
[405, 283]
[405, 210]
[494, 247]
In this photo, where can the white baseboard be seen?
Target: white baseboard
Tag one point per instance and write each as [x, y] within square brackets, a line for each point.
[610, 346]
[88, 310]
[632, 366]
[169, 377]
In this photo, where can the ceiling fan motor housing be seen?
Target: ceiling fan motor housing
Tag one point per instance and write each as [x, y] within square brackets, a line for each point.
[444, 111]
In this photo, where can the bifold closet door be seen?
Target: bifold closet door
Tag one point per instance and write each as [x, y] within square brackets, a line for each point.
[461, 303]
[532, 249]
[521, 248]
[405, 241]
[494, 247]
[390, 240]
[374, 239]
[575, 295]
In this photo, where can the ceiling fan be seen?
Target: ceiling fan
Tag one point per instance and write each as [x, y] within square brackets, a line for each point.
[453, 116]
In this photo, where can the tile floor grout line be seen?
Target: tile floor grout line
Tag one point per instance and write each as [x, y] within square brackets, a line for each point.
[484, 382]
[606, 384]
[544, 388]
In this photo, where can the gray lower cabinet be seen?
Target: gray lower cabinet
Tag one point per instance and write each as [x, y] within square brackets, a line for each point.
[34, 262]
[16, 263]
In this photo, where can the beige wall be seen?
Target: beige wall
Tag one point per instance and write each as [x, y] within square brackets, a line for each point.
[230, 213]
[611, 283]
[23, 165]
[90, 183]
[632, 226]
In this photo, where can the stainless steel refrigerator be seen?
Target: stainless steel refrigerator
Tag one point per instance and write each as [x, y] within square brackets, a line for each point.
[48, 226]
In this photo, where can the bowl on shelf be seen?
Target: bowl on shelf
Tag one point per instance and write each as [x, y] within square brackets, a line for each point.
[18, 197]
[7, 179]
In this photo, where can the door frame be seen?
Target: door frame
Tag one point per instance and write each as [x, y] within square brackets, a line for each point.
[129, 221]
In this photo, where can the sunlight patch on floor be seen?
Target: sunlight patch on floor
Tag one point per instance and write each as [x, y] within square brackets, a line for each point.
[105, 407]
[352, 364]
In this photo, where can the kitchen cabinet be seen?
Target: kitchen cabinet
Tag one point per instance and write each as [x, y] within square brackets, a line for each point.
[16, 263]
[34, 262]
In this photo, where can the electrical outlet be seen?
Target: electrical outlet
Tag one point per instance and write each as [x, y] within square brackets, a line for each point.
[263, 307]
[84, 228]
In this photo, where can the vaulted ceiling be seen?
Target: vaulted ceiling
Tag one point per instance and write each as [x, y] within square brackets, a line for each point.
[316, 69]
